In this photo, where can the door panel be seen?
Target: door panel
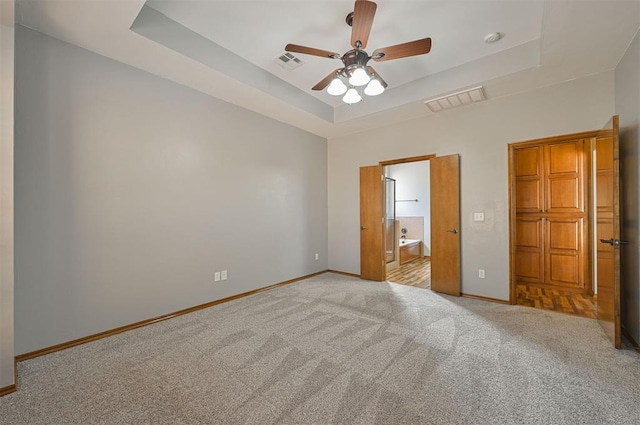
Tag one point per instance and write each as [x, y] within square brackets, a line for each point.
[565, 177]
[604, 186]
[608, 229]
[528, 197]
[372, 258]
[564, 259]
[565, 157]
[529, 266]
[528, 176]
[565, 234]
[529, 232]
[529, 260]
[564, 269]
[445, 224]
[527, 162]
[564, 194]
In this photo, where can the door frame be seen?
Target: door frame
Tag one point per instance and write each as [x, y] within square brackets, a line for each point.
[405, 160]
[591, 135]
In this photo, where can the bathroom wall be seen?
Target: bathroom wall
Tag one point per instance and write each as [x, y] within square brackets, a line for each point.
[413, 182]
[414, 225]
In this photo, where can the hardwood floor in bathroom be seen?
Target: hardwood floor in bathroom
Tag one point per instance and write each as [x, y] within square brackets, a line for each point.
[567, 302]
[418, 273]
[415, 273]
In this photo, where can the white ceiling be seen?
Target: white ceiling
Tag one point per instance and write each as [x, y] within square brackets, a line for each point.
[226, 48]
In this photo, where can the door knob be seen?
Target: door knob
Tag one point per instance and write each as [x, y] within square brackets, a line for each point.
[454, 231]
[614, 242]
[363, 228]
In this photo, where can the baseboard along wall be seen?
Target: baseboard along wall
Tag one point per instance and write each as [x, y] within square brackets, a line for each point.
[100, 335]
[90, 338]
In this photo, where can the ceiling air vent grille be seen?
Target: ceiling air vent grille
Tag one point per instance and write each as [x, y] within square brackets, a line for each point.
[454, 100]
[288, 61]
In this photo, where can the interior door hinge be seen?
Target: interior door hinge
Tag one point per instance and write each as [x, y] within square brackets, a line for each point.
[381, 177]
[382, 220]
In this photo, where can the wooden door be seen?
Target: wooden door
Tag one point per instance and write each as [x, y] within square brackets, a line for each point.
[445, 224]
[372, 259]
[608, 231]
[550, 230]
[566, 216]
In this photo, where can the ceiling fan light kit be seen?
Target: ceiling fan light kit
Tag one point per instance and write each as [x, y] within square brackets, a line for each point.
[374, 88]
[356, 72]
[359, 77]
[351, 96]
[337, 87]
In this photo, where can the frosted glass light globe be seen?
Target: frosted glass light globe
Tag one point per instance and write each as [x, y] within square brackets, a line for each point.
[374, 88]
[352, 96]
[359, 77]
[337, 87]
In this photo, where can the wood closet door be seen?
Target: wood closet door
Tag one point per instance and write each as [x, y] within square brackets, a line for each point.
[529, 203]
[566, 217]
[551, 220]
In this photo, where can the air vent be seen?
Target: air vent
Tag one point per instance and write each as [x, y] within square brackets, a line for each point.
[288, 61]
[454, 100]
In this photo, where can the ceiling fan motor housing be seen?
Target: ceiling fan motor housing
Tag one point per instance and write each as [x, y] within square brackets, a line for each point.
[354, 59]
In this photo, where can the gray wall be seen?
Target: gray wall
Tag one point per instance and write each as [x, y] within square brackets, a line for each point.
[627, 77]
[480, 134]
[132, 190]
[6, 193]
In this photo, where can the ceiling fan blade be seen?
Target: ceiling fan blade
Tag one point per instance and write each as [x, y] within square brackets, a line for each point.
[363, 13]
[377, 76]
[311, 51]
[326, 80]
[404, 50]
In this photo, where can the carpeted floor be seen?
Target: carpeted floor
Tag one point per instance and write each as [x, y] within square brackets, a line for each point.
[333, 349]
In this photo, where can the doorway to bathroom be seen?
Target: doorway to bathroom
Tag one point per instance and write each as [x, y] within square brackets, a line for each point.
[408, 223]
[444, 179]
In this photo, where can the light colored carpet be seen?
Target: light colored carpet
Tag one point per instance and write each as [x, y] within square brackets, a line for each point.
[333, 349]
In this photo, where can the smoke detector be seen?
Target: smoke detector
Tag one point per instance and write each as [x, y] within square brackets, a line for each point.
[492, 38]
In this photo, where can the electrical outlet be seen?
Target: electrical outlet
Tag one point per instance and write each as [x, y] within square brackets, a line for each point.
[317, 256]
[223, 275]
[481, 273]
[478, 216]
[216, 277]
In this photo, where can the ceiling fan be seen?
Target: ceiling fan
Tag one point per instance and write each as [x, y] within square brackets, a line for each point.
[355, 71]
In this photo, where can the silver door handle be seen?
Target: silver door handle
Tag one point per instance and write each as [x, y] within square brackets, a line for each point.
[454, 231]
[363, 228]
[614, 242]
